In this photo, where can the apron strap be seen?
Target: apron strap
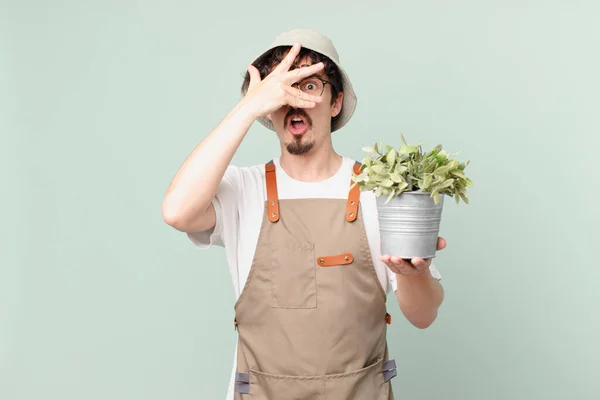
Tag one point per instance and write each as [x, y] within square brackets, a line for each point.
[353, 197]
[272, 198]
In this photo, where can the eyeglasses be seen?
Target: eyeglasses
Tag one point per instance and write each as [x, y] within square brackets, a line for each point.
[312, 85]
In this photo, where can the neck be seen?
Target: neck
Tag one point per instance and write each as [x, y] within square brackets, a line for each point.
[316, 165]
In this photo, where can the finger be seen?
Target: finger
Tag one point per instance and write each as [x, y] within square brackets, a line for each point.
[288, 60]
[403, 264]
[254, 76]
[301, 95]
[441, 243]
[393, 267]
[406, 269]
[420, 263]
[387, 260]
[303, 72]
[296, 102]
[398, 260]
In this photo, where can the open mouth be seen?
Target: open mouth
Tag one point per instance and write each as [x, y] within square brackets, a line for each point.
[297, 125]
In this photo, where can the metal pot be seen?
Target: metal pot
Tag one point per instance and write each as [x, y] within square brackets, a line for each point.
[409, 224]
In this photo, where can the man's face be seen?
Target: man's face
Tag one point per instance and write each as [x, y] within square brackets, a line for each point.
[301, 129]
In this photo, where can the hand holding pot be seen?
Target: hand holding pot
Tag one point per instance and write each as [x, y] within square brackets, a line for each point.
[415, 266]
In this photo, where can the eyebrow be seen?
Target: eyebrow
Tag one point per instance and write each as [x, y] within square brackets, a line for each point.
[314, 76]
[308, 77]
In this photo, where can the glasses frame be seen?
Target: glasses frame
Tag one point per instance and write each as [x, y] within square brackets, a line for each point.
[297, 84]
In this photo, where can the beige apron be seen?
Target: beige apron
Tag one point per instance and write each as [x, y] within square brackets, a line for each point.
[311, 318]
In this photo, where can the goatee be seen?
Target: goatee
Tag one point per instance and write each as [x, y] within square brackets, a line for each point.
[298, 146]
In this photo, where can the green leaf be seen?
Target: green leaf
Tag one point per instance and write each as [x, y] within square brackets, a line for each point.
[368, 149]
[458, 173]
[391, 157]
[446, 184]
[463, 196]
[436, 196]
[406, 149]
[427, 182]
[400, 169]
[396, 177]
[401, 186]
[442, 171]
[390, 196]
[361, 178]
[378, 168]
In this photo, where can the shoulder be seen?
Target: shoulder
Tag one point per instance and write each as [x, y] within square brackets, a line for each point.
[245, 175]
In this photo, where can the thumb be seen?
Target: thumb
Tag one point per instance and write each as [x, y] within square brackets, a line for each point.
[254, 76]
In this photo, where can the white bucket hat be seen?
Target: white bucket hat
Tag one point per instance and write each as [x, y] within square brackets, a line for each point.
[318, 42]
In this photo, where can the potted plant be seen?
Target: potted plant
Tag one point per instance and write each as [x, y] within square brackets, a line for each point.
[410, 186]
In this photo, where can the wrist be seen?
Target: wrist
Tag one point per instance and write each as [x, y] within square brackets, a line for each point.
[422, 276]
[246, 112]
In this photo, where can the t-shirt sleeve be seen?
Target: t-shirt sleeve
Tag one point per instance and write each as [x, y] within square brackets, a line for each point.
[226, 211]
[393, 284]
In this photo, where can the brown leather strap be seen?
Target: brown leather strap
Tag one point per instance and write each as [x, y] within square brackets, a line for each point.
[272, 199]
[353, 198]
[388, 319]
[338, 259]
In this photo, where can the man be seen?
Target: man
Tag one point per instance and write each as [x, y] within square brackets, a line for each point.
[303, 249]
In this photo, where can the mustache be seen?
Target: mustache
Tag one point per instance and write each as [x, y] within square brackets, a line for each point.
[299, 112]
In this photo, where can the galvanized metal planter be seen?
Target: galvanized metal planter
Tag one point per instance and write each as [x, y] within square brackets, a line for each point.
[409, 224]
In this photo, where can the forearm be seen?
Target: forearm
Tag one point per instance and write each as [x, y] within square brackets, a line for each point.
[419, 298]
[197, 180]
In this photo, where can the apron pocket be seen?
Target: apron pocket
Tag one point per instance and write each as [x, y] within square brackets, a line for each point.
[293, 275]
[362, 384]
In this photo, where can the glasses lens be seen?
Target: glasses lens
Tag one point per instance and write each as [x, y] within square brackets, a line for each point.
[312, 86]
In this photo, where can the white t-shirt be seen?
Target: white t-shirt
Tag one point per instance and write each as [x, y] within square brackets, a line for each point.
[239, 206]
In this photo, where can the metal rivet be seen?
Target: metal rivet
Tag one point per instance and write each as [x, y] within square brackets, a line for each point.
[347, 258]
[352, 214]
[322, 261]
[272, 203]
[272, 215]
[352, 203]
